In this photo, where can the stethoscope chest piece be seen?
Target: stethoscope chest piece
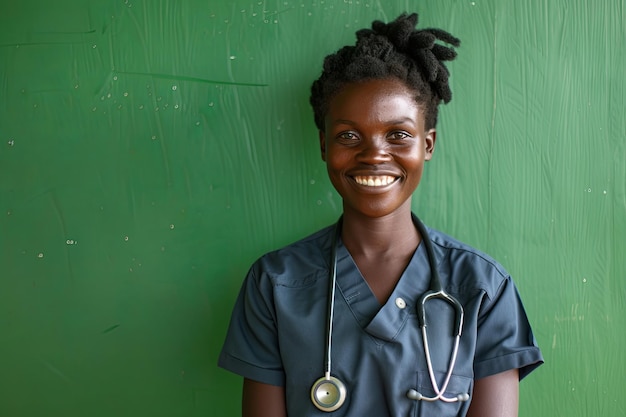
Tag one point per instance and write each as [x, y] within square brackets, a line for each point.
[328, 393]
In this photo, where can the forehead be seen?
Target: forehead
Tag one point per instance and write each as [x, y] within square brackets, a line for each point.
[374, 99]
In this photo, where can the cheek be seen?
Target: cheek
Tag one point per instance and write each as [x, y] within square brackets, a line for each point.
[414, 166]
[336, 160]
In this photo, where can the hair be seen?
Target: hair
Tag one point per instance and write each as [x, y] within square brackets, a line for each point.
[393, 50]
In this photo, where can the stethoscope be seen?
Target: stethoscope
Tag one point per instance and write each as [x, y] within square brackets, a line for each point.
[328, 393]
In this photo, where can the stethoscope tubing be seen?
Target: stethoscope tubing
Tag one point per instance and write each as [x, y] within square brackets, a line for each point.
[332, 289]
[437, 291]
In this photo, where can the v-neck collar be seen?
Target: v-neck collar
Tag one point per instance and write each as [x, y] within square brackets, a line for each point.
[383, 322]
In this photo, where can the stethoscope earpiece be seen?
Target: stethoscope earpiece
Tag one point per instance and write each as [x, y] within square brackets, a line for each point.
[328, 393]
[417, 396]
[463, 397]
[413, 395]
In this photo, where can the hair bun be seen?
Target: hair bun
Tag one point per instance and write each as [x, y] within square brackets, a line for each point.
[396, 49]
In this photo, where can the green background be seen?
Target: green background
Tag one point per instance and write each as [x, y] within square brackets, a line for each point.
[151, 150]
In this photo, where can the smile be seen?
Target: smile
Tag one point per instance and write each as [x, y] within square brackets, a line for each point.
[374, 180]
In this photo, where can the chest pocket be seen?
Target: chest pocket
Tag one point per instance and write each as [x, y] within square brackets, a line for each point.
[458, 385]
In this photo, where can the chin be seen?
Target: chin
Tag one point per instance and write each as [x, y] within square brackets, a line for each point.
[375, 211]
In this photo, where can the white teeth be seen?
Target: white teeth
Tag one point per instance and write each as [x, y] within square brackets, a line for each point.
[375, 181]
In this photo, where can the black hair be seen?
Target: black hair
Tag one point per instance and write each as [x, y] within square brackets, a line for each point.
[390, 50]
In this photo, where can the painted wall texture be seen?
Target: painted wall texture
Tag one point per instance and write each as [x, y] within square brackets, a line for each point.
[151, 150]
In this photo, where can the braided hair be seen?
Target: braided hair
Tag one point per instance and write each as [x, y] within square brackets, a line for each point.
[390, 50]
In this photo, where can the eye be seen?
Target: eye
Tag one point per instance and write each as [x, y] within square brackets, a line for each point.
[399, 135]
[347, 137]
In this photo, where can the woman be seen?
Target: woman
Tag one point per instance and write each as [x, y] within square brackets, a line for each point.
[375, 106]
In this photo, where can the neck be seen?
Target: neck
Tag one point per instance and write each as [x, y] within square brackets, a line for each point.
[373, 237]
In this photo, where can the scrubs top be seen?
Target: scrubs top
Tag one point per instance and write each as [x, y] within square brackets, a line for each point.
[277, 329]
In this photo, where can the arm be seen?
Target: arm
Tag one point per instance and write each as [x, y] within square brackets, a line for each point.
[496, 395]
[263, 400]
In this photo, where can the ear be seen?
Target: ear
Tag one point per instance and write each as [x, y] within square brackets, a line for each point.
[429, 143]
[323, 145]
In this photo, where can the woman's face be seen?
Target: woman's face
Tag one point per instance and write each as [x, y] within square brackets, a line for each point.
[374, 144]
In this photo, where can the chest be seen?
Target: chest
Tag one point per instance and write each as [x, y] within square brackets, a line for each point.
[382, 273]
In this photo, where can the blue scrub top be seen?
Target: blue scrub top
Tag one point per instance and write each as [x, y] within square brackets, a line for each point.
[277, 329]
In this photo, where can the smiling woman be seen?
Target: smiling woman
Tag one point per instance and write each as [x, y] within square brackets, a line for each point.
[355, 294]
[151, 151]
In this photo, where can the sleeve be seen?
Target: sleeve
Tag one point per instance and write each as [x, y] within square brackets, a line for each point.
[504, 337]
[251, 347]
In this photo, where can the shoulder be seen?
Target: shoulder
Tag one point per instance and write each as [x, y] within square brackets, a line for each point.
[299, 261]
[461, 251]
[466, 265]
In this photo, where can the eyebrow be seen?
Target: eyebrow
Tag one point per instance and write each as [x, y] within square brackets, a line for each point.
[390, 122]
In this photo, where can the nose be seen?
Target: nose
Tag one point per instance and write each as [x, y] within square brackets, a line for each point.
[373, 151]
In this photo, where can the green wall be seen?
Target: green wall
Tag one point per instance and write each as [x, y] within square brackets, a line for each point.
[151, 150]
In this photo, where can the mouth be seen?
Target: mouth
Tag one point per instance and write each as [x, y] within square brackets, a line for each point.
[374, 180]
